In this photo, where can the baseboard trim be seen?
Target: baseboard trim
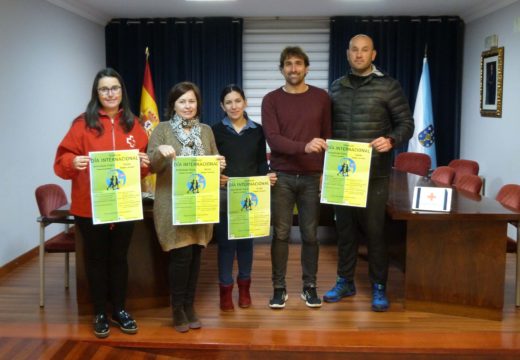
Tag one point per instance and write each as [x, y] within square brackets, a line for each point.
[20, 260]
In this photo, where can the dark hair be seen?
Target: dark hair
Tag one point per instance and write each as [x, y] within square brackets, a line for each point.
[295, 51]
[229, 89]
[177, 91]
[92, 113]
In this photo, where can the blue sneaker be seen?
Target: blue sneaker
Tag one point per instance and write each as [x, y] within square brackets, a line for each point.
[342, 289]
[379, 300]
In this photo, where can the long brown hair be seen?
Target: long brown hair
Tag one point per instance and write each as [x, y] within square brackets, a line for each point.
[92, 113]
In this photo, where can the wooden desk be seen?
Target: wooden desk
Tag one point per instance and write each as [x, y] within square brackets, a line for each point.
[455, 262]
[147, 267]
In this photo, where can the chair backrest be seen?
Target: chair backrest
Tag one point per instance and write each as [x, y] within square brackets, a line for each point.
[463, 166]
[509, 196]
[412, 162]
[443, 175]
[470, 183]
[49, 197]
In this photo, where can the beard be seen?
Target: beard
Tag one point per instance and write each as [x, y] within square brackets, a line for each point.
[295, 80]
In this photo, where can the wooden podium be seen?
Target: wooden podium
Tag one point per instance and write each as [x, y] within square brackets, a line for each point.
[455, 262]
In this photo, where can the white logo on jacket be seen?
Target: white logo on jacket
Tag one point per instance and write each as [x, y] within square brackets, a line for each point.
[131, 141]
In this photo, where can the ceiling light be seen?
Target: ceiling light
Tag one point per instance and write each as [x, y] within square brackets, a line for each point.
[211, 0]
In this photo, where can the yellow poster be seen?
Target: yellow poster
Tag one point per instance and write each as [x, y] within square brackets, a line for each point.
[346, 173]
[249, 207]
[195, 190]
[115, 186]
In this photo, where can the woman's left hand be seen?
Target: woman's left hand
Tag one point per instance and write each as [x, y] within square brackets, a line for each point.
[222, 162]
[144, 160]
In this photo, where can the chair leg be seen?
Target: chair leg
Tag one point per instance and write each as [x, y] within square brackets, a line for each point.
[67, 256]
[42, 265]
[66, 270]
[517, 297]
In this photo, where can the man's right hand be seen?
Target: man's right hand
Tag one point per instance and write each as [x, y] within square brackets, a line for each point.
[316, 145]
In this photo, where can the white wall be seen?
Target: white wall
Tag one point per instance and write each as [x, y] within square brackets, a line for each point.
[48, 61]
[493, 142]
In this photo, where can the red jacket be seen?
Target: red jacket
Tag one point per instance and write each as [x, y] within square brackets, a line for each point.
[80, 140]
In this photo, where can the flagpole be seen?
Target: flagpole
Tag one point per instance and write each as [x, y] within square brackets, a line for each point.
[423, 139]
[149, 115]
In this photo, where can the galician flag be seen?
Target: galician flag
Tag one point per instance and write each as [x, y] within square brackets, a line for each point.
[149, 117]
[423, 140]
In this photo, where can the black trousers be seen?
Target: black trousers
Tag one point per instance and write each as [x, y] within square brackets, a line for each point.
[356, 224]
[106, 265]
[184, 273]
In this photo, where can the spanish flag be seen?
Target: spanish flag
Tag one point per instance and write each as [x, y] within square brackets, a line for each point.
[149, 117]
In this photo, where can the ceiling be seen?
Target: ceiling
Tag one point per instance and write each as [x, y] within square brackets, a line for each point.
[101, 11]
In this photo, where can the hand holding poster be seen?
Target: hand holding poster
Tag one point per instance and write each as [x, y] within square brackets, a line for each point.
[346, 173]
[249, 207]
[115, 186]
[195, 190]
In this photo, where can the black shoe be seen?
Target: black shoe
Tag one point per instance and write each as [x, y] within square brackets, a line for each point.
[279, 298]
[311, 297]
[191, 315]
[101, 328]
[180, 320]
[125, 322]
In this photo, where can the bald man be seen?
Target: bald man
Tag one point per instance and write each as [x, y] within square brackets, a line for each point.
[367, 106]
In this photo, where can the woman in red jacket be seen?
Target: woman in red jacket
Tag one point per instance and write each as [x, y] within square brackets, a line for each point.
[107, 124]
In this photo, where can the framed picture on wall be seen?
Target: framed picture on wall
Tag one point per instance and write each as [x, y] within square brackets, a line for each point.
[491, 78]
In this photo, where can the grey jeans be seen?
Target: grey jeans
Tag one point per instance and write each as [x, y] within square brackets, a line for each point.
[302, 190]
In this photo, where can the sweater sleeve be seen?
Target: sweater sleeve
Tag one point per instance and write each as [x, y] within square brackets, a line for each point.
[263, 168]
[326, 126]
[157, 161]
[271, 124]
[212, 143]
[69, 148]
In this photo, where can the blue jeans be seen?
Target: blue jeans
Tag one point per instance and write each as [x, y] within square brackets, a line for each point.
[302, 190]
[227, 249]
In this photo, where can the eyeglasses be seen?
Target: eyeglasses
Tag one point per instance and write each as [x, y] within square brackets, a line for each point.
[106, 90]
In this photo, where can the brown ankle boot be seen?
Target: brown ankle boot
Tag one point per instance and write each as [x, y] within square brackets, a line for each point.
[226, 301]
[244, 297]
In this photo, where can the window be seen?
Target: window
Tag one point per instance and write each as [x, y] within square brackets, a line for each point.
[264, 39]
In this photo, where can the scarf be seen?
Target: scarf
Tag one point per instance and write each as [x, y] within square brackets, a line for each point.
[190, 141]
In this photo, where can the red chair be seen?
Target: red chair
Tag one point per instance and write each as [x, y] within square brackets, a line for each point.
[443, 175]
[470, 183]
[509, 196]
[412, 162]
[50, 197]
[463, 167]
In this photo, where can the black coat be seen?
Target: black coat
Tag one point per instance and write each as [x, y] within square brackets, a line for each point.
[376, 107]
